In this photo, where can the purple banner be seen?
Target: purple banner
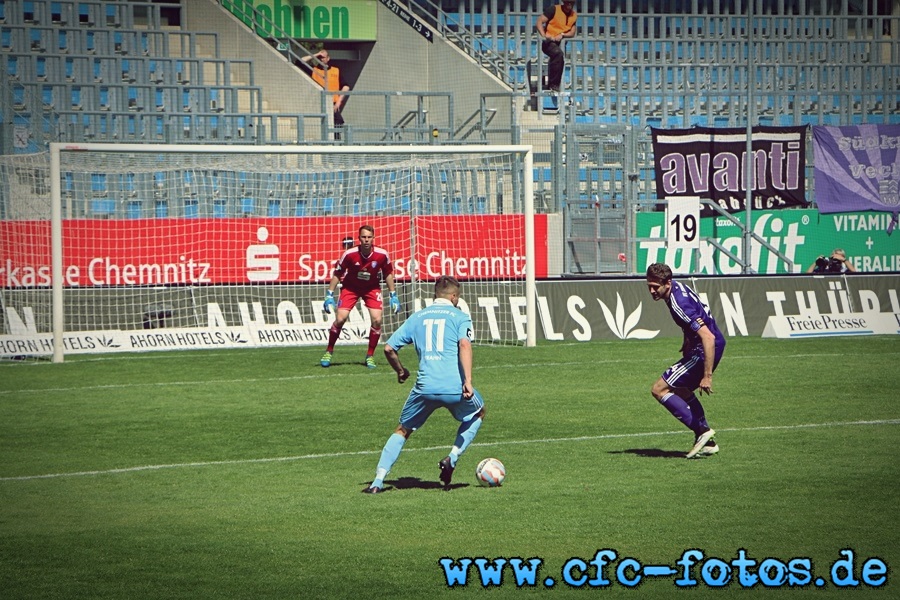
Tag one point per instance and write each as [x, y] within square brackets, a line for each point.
[711, 163]
[857, 168]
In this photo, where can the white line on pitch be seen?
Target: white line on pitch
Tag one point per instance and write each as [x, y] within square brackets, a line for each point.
[113, 386]
[584, 438]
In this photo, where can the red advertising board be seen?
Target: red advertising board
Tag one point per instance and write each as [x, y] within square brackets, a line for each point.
[270, 250]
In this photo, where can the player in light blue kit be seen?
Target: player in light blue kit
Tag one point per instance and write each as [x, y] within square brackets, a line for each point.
[442, 335]
[701, 352]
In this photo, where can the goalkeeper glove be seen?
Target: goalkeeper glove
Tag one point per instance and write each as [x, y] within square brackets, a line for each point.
[395, 302]
[330, 304]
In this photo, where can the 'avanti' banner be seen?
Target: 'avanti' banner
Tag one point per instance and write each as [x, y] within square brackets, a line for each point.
[711, 163]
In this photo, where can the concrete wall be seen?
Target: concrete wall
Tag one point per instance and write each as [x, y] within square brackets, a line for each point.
[401, 60]
[285, 88]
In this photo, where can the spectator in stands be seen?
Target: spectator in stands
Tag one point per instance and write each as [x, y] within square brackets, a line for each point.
[836, 263]
[553, 26]
[329, 77]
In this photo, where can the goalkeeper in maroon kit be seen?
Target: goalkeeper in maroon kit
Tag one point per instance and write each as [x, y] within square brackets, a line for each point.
[357, 271]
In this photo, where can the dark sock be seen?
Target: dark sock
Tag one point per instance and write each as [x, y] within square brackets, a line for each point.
[679, 408]
[699, 424]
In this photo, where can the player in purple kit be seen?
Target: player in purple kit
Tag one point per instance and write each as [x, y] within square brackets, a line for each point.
[701, 352]
[357, 271]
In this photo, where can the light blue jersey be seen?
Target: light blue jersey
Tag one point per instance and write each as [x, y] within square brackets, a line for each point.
[436, 331]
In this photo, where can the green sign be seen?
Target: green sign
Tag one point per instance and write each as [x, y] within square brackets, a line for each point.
[309, 19]
[801, 235]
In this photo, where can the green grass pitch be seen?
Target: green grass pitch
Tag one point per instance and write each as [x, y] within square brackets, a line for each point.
[239, 474]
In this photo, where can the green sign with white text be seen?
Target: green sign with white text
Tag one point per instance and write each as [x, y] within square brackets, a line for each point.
[801, 235]
[350, 20]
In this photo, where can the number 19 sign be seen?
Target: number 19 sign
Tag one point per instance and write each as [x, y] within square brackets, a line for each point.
[683, 222]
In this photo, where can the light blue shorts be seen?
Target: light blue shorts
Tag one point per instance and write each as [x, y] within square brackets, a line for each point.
[418, 407]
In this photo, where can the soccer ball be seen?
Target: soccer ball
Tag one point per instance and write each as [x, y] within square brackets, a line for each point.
[490, 472]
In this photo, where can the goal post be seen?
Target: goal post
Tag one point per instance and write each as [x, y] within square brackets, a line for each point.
[155, 247]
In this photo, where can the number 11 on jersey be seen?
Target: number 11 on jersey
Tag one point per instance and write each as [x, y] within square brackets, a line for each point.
[434, 334]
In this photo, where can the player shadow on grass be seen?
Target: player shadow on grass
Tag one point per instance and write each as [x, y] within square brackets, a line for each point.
[409, 483]
[651, 452]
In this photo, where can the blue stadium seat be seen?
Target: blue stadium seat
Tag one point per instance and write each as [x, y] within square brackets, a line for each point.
[103, 207]
[98, 184]
[133, 209]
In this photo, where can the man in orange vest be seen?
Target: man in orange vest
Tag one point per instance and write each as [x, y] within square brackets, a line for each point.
[553, 26]
[329, 78]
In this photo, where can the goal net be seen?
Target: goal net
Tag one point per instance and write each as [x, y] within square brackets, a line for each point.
[137, 247]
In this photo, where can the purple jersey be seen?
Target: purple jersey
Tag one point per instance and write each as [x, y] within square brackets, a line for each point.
[691, 314]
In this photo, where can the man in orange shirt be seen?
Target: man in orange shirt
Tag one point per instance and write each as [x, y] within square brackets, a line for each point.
[553, 26]
[330, 79]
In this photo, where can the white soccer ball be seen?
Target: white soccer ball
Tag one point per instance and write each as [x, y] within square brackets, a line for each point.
[490, 472]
